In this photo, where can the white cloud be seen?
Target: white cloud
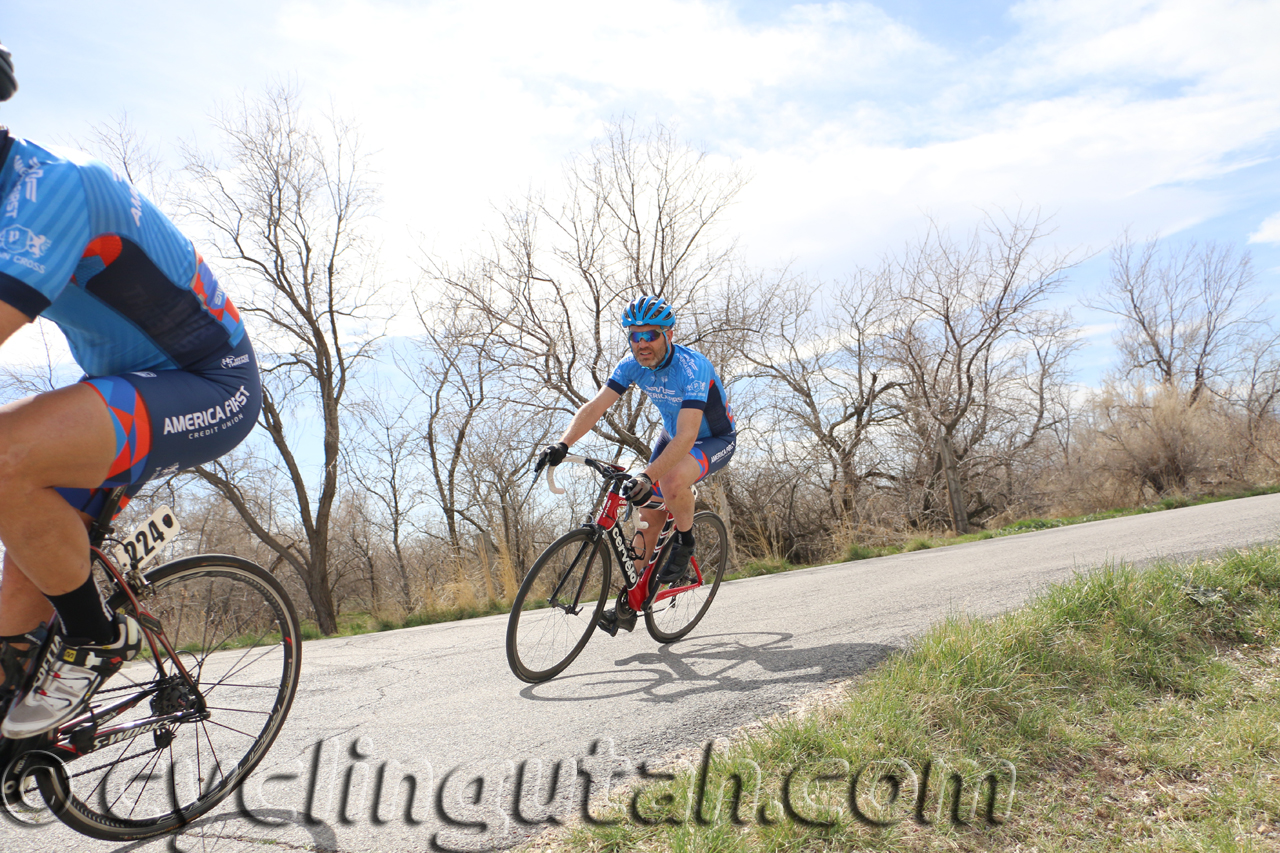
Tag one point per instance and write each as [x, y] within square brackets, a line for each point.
[1103, 113]
[1207, 43]
[683, 49]
[470, 104]
[850, 123]
[1268, 231]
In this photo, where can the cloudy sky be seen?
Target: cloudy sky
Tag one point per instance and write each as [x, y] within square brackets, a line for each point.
[853, 120]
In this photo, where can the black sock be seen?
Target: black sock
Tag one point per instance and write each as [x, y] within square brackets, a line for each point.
[84, 618]
[685, 537]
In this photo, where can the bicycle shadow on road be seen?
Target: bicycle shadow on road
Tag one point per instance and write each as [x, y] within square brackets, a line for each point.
[717, 663]
[230, 832]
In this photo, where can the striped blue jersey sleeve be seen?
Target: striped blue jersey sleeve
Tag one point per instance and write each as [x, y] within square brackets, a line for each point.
[44, 227]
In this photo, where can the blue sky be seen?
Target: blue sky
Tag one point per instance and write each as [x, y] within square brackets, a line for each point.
[853, 120]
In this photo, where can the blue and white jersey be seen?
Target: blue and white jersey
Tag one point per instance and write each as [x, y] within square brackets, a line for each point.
[81, 246]
[686, 381]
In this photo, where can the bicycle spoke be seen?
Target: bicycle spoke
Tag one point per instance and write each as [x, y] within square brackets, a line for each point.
[675, 612]
[213, 753]
[148, 773]
[222, 725]
[542, 641]
[221, 681]
[237, 710]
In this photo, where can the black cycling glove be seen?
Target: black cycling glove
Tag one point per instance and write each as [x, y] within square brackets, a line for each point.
[552, 454]
[638, 490]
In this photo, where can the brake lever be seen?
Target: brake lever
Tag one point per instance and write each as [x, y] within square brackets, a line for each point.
[641, 524]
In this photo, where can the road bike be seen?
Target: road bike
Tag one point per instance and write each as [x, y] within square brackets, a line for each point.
[563, 595]
[179, 728]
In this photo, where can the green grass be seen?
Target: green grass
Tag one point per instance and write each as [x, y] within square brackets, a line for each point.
[450, 614]
[856, 551]
[765, 566]
[1137, 708]
[363, 622]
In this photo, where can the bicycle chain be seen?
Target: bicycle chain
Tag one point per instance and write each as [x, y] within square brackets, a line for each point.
[118, 760]
[154, 749]
[35, 786]
[151, 751]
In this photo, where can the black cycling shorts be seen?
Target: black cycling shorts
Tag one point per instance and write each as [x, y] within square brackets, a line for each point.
[711, 453]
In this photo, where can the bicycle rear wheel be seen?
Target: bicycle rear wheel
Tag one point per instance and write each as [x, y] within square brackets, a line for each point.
[162, 752]
[669, 619]
[568, 585]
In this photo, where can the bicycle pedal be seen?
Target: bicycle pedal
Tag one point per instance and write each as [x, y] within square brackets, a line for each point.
[609, 621]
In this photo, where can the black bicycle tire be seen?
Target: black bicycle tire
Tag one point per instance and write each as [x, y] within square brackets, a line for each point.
[705, 518]
[83, 817]
[581, 536]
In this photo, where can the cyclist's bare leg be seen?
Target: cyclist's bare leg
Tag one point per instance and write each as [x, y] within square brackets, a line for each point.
[22, 606]
[21, 600]
[677, 493]
[61, 438]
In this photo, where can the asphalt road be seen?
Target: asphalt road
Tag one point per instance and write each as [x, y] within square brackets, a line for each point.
[439, 705]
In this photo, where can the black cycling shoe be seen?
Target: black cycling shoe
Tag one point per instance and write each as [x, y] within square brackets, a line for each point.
[610, 623]
[678, 563]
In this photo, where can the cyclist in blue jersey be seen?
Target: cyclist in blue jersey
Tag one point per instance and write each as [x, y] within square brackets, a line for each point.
[698, 435]
[170, 382]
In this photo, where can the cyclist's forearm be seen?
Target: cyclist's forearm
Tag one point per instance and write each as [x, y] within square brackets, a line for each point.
[577, 429]
[587, 416]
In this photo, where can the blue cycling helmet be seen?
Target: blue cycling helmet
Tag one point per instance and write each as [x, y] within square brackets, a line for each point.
[648, 311]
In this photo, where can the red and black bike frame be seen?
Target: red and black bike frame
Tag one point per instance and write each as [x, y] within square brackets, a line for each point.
[636, 584]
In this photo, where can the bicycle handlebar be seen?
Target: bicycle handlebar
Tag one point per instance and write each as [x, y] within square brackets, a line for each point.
[570, 457]
[551, 480]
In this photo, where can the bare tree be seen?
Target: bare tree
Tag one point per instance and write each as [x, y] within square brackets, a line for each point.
[1185, 312]
[511, 527]
[459, 376]
[638, 216]
[1258, 394]
[1190, 325]
[976, 347]
[120, 144]
[285, 209]
[386, 464]
[821, 368]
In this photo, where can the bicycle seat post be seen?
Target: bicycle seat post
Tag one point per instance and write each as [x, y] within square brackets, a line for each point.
[102, 527]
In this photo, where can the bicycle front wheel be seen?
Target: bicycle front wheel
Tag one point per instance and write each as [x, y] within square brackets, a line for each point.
[671, 617]
[166, 750]
[557, 606]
